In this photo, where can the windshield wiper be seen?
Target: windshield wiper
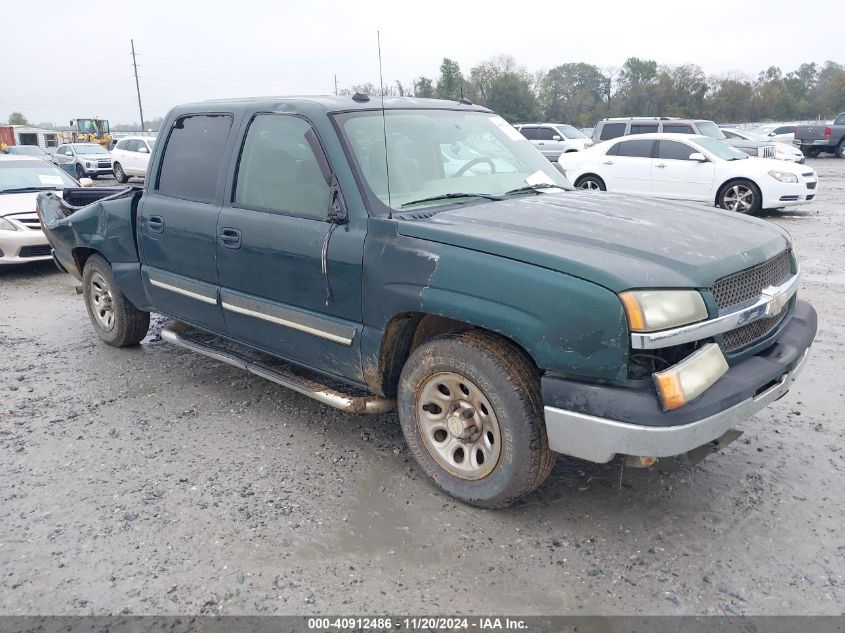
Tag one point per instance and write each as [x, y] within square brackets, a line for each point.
[27, 189]
[451, 196]
[534, 188]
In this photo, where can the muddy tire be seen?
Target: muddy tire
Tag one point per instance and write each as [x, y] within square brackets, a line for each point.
[591, 183]
[472, 415]
[119, 175]
[117, 322]
[741, 195]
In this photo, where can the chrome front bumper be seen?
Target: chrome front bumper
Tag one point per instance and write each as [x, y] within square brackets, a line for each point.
[600, 439]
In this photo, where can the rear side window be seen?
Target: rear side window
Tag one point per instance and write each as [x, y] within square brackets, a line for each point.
[612, 130]
[283, 168]
[669, 128]
[785, 129]
[530, 133]
[636, 149]
[643, 128]
[193, 156]
[673, 150]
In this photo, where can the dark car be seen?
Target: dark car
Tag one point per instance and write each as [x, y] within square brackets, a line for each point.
[321, 243]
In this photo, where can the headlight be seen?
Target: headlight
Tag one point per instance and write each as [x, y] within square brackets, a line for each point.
[694, 375]
[651, 310]
[5, 225]
[783, 176]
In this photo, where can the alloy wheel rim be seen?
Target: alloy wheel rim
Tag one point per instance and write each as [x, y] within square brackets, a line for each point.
[590, 185]
[102, 304]
[458, 426]
[739, 198]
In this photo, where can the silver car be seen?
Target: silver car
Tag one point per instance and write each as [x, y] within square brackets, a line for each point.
[84, 160]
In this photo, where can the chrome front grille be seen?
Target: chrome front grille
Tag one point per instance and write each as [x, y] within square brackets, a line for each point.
[748, 284]
[767, 151]
[748, 334]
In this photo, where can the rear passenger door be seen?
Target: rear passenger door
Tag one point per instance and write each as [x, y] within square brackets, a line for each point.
[290, 285]
[629, 170]
[177, 220]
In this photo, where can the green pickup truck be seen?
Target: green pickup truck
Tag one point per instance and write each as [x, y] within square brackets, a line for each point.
[423, 255]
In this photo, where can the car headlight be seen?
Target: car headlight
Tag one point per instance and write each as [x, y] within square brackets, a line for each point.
[783, 176]
[652, 310]
[5, 225]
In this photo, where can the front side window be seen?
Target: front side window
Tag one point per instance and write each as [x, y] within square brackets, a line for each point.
[283, 168]
[673, 150]
[547, 134]
[612, 130]
[840, 120]
[643, 128]
[193, 156]
[670, 128]
[484, 156]
[121, 145]
[636, 149]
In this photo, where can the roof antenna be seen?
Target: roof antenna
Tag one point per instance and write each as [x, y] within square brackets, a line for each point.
[384, 128]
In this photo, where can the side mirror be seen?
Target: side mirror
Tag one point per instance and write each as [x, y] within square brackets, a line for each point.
[698, 157]
[556, 138]
[337, 211]
[86, 182]
[772, 133]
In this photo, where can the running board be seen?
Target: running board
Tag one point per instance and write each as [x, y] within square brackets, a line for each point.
[180, 334]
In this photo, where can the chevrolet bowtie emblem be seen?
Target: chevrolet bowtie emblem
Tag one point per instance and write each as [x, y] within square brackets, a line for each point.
[776, 300]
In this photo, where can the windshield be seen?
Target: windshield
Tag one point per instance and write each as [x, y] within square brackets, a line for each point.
[720, 150]
[92, 126]
[439, 153]
[89, 148]
[567, 131]
[35, 174]
[708, 128]
[27, 150]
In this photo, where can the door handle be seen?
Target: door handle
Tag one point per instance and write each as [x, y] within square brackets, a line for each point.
[156, 224]
[660, 165]
[229, 238]
[607, 162]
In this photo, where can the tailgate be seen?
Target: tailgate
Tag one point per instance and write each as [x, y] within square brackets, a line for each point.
[809, 132]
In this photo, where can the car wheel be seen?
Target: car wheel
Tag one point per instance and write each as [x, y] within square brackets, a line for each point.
[115, 319]
[80, 172]
[840, 149]
[591, 183]
[811, 152]
[119, 175]
[472, 416]
[742, 196]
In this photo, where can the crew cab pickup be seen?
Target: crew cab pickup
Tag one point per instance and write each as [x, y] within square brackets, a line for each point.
[326, 244]
[822, 137]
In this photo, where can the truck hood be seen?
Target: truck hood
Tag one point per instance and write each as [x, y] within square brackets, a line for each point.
[619, 242]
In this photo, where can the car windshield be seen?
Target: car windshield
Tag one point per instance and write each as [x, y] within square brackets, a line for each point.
[89, 148]
[708, 128]
[567, 131]
[763, 130]
[435, 154]
[720, 150]
[32, 174]
[28, 150]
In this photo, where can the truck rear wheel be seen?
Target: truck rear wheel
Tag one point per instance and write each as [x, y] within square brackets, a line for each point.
[811, 152]
[116, 320]
[472, 416]
[840, 149]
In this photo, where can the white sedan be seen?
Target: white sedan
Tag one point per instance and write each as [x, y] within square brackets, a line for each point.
[782, 150]
[687, 167]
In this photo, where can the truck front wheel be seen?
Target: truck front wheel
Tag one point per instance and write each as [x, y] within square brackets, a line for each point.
[472, 416]
[116, 320]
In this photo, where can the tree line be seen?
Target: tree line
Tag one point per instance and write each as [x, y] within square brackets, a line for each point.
[581, 94]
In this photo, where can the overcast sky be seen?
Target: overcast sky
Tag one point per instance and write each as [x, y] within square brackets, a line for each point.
[62, 60]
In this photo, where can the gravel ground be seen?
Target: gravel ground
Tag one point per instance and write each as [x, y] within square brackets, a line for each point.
[151, 480]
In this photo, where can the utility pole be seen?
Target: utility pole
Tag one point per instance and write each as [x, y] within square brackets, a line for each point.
[335, 85]
[137, 87]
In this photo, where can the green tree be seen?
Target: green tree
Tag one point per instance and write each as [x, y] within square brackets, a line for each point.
[424, 87]
[573, 93]
[16, 118]
[511, 97]
[451, 82]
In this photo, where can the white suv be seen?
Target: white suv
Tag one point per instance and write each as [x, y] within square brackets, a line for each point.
[131, 156]
[554, 139]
